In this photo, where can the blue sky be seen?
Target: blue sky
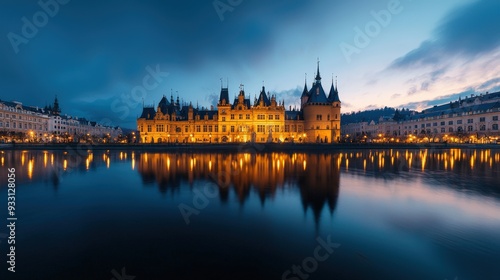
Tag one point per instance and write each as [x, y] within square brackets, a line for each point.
[96, 55]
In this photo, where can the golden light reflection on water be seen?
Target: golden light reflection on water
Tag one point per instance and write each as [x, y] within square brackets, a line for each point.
[30, 168]
[273, 164]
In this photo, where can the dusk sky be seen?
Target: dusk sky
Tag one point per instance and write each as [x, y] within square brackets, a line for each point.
[95, 55]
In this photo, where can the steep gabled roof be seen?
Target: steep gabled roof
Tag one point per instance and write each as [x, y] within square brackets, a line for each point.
[246, 102]
[334, 94]
[294, 115]
[317, 94]
[148, 113]
[263, 97]
[224, 95]
[305, 92]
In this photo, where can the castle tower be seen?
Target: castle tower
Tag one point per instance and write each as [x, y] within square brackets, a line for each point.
[321, 114]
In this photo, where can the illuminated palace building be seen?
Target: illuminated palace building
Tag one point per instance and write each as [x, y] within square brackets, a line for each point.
[267, 120]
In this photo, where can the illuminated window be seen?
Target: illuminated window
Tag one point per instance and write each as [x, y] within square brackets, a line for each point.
[260, 128]
[270, 117]
[223, 128]
[232, 128]
[277, 117]
[240, 116]
[248, 116]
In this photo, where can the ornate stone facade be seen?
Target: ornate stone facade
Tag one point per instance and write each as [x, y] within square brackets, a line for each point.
[317, 121]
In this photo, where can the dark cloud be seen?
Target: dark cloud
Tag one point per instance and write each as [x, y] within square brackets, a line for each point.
[90, 47]
[444, 99]
[492, 85]
[468, 31]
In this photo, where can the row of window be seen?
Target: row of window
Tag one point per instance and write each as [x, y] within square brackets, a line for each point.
[232, 128]
[468, 128]
[21, 117]
[469, 121]
[20, 125]
[320, 117]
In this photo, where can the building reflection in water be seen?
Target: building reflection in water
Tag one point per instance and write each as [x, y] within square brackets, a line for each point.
[51, 166]
[316, 176]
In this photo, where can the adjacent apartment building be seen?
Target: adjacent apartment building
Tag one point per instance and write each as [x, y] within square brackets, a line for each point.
[47, 124]
[473, 119]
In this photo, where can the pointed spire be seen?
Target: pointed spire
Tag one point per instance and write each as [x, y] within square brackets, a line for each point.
[56, 110]
[318, 76]
[305, 92]
[333, 96]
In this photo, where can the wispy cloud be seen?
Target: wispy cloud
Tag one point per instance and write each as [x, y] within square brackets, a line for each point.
[467, 31]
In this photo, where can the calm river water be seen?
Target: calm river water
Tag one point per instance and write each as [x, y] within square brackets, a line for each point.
[371, 214]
